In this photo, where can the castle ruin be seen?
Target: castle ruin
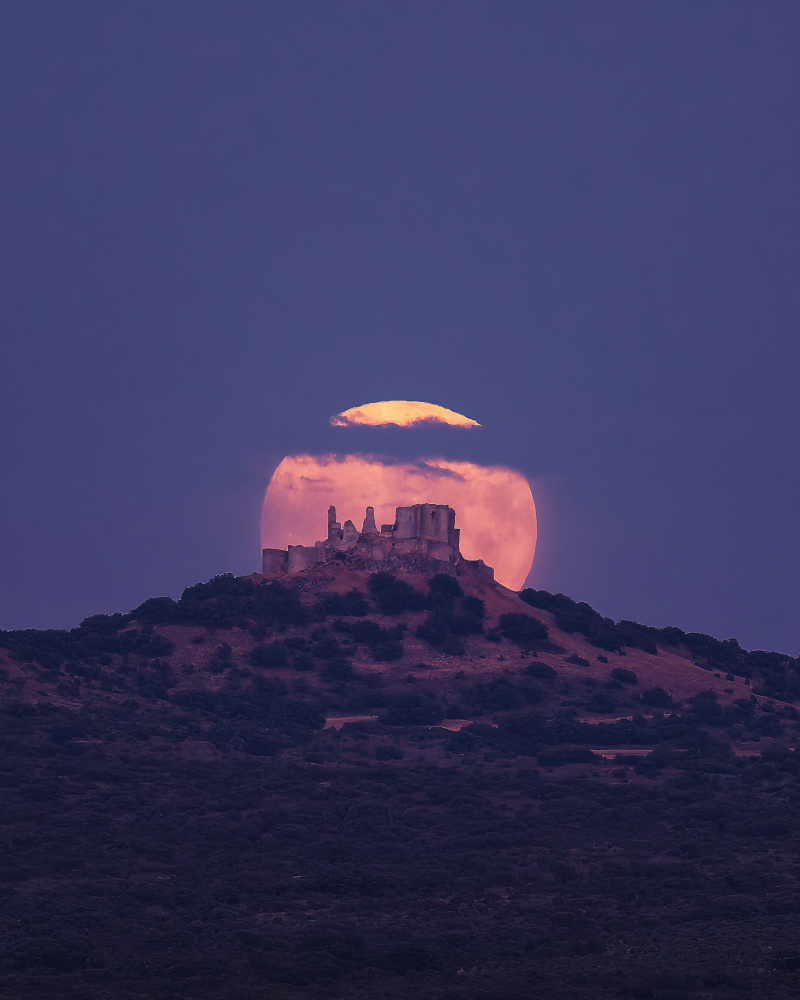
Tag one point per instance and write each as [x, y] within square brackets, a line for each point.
[423, 538]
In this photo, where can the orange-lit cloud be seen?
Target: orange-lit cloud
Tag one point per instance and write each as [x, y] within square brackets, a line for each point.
[400, 413]
[494, 507]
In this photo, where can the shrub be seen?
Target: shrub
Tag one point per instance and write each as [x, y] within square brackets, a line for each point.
[498, 695]
[339, 669]
[579, 661]
[155, 611]
[474, 607]
[433, 630]
[328, 648]
[394, 596]
[303, 662]
[387, 651]
[601, 703]
[463, 624]
[541, 671]
[155, 645]
[270, 656]
[445, 585]
[556, 756]
[416, 709]
[705, 707]
[453, 646]
[624, 675]
[572, 616]
[656, 697]
[524, 630]
[352, 604]
[385, 644]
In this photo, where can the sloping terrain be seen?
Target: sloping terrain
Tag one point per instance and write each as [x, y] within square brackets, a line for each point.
[535, 801]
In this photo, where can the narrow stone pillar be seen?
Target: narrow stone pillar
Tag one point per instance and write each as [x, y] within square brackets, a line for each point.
[370, 528]
[334, 528]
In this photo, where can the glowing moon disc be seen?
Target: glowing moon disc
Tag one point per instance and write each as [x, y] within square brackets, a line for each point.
[494, 507]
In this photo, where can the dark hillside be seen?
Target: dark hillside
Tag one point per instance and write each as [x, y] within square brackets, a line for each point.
[530, 800]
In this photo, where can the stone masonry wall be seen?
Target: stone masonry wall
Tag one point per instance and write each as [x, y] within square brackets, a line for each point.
[423, 537]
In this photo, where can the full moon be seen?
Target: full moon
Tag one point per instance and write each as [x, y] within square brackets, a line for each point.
[493, 504]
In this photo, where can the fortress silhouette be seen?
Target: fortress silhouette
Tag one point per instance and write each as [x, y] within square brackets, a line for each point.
[424, 538]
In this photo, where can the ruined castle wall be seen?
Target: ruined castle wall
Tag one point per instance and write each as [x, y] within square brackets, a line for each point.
[406, 523]
[350, 534]
[437, 522]
[441, 551]
[423, 538]
[273, 561]
[301, 557]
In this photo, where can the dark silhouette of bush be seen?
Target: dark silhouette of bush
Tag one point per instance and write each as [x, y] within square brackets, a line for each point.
[158, 611]
[433, 629]
[303, 662]
[261, 746]
[523, 630]
[394, 596]
[541, 671]
[558, 756]
[446, 627]
[453, 646]
[353, 604]
[601, 703]
[500, 695]
[270, 656]
[572, 616]
[337, 669]
[327, 647]
[227, 601]
[771, 669]
[625, 675]
[474, 607]
[463, 624]
[656, 697]
[578, 661]
[705, 706]
[385, 644]
[387, 650]
[277, 606]
[92, 642]
[222, 585]
[415, 709]
[446, 586]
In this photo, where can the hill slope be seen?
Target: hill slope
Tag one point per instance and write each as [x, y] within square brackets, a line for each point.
[533, 801]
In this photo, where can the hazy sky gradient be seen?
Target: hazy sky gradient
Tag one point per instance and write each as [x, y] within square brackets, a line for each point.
[576, 222]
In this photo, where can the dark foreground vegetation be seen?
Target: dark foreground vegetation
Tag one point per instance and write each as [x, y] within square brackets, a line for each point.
[216, 843]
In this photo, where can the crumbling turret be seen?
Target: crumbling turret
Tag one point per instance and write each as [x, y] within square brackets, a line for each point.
[423, 538]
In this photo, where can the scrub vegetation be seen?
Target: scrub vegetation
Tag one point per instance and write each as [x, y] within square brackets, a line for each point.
[177, 822]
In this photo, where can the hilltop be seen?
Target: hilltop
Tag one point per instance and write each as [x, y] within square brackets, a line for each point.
[348, 783]
[343, 640]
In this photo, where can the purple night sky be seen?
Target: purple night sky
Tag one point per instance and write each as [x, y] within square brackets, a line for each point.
[576, 223]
